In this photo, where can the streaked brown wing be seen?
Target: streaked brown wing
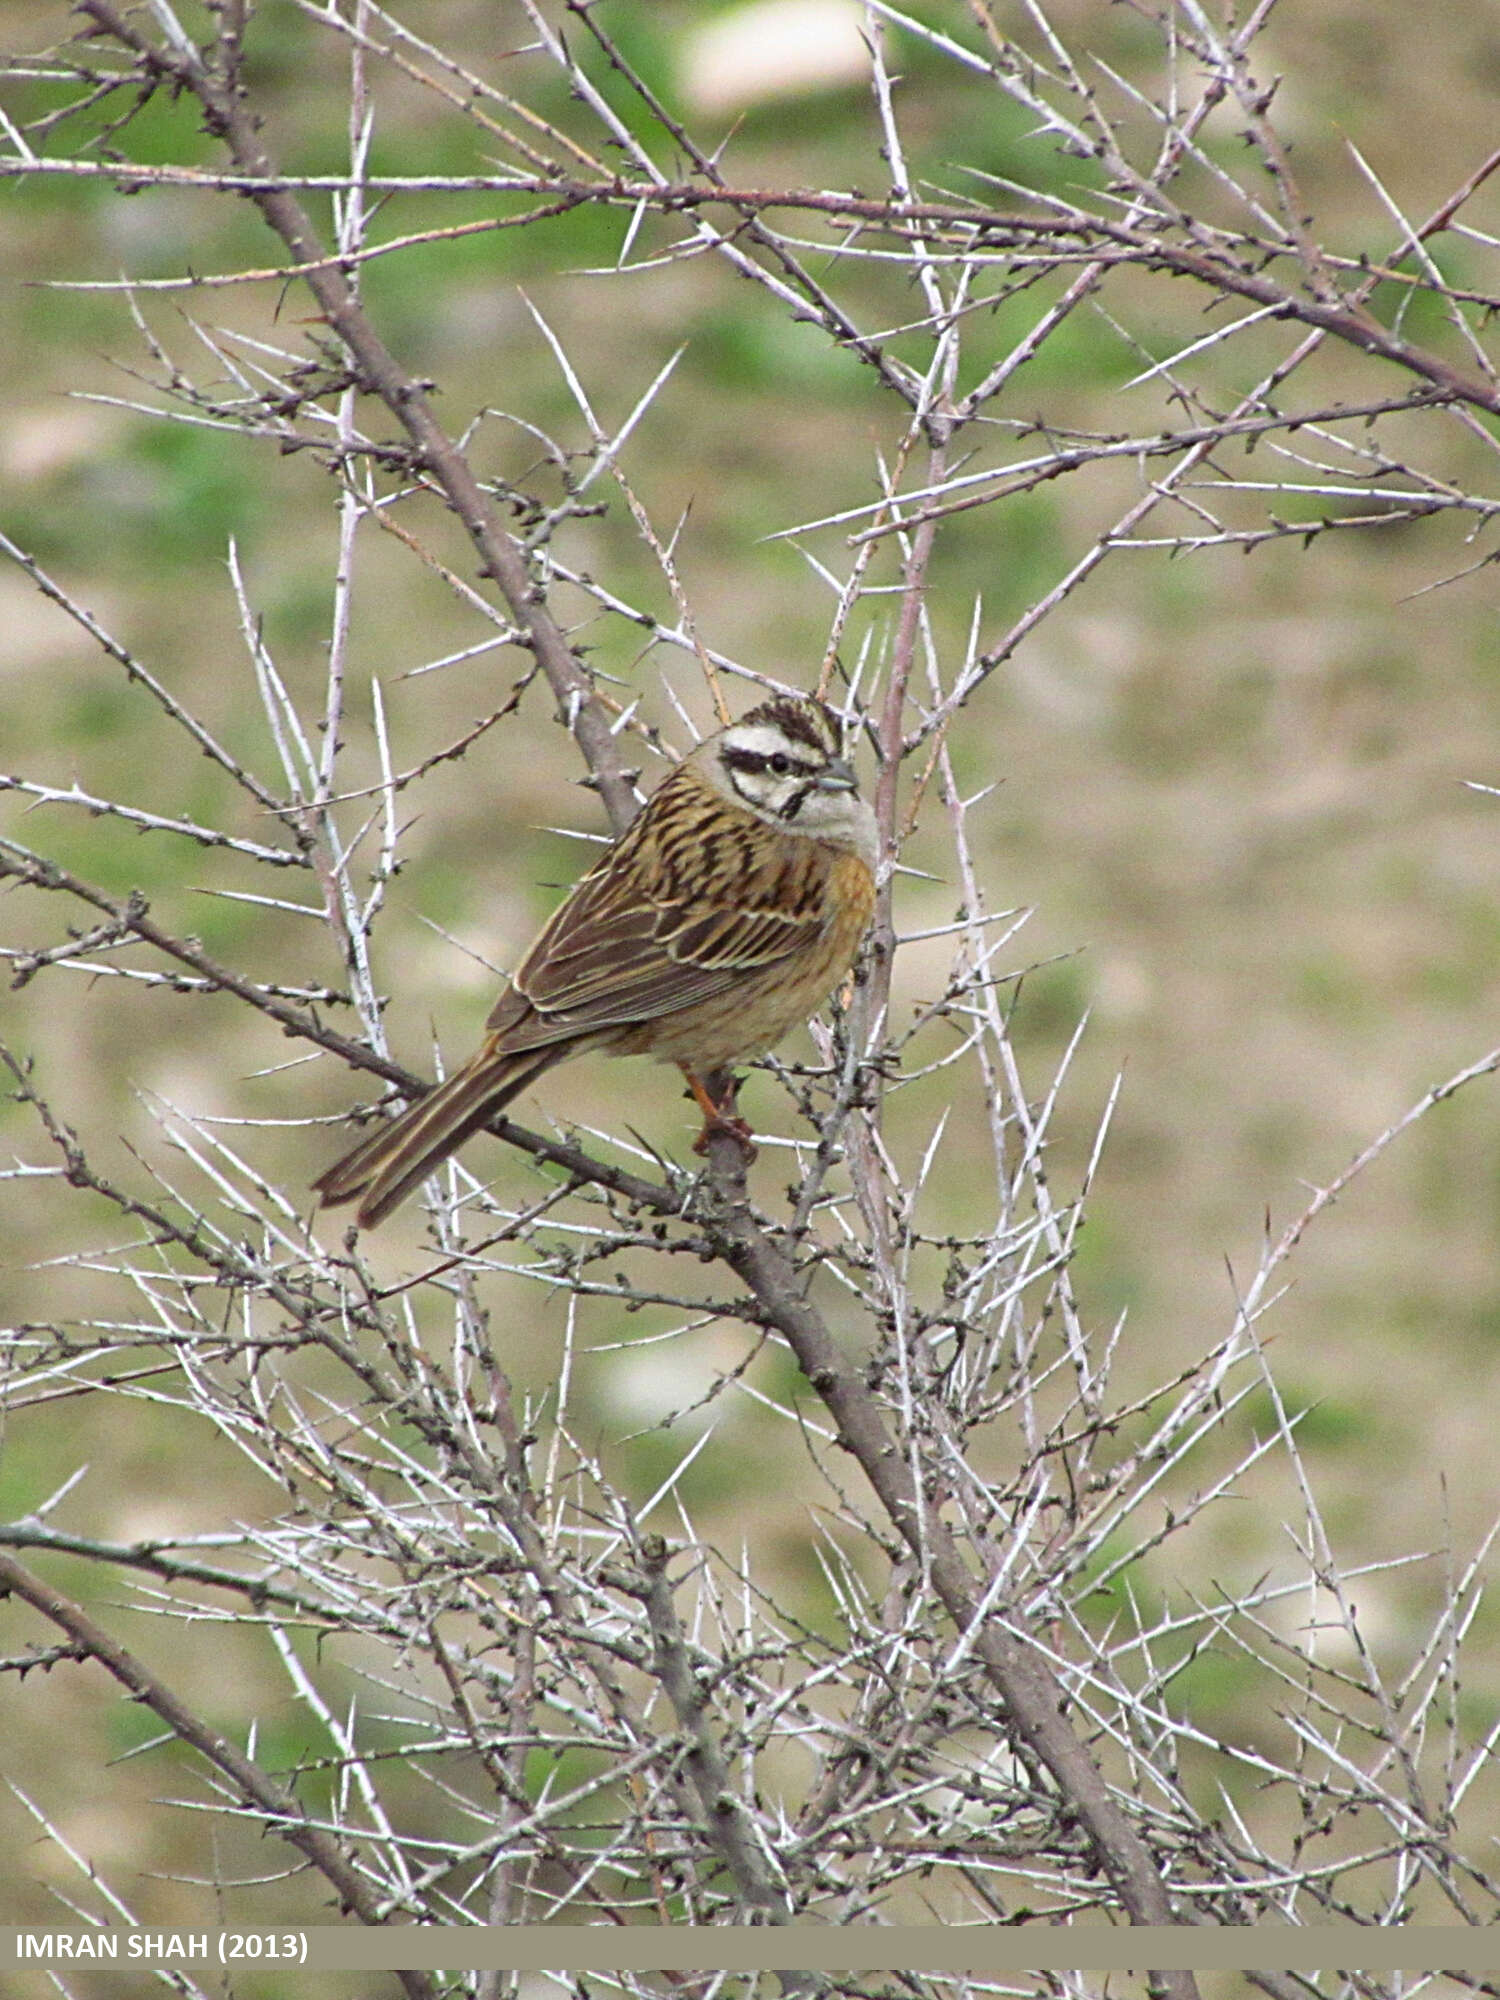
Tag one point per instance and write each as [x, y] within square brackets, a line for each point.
[665, 922]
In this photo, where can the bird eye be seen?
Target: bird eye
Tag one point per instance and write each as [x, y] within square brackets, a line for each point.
[780, 763]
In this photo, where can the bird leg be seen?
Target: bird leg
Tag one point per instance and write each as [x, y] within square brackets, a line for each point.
[718, 1116]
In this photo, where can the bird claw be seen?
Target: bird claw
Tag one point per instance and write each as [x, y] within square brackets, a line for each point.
[726, 1124]
[720, 1119]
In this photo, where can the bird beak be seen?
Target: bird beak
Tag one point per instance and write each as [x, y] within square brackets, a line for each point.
[838, 777]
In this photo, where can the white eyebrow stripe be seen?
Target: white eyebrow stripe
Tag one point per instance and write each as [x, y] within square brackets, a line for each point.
[764, 739]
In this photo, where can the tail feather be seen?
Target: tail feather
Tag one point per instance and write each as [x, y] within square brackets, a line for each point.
[381, 1171]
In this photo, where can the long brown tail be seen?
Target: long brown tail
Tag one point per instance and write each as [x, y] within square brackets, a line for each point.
[381, 1171]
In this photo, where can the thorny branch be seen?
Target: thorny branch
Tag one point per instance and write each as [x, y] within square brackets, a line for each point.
[529, 1723]
[1030, 1699]
[273, 1803]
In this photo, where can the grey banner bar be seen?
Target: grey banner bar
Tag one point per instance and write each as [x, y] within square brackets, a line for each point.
[810, 1948]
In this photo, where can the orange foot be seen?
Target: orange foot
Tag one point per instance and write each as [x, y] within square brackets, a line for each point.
[719, 1118]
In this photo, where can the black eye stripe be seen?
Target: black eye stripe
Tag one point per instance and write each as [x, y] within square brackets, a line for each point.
[756, 761]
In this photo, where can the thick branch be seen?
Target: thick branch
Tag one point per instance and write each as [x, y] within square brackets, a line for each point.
[1030, 1694]
[726, 1823]
[961, 229]
[282, 1809]
[501, 556]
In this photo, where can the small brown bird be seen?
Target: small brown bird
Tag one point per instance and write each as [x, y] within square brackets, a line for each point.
[721, 918]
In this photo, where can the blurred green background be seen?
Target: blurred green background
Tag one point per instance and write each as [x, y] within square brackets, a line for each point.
[1232, 787]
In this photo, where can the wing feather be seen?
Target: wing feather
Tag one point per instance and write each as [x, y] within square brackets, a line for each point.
[669, 919]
